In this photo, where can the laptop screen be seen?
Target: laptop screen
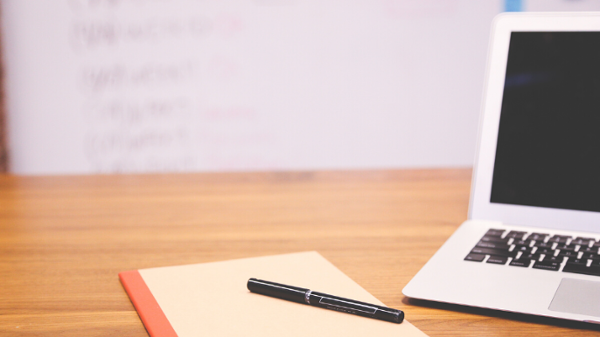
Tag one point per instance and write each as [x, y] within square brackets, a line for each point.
[548, 150]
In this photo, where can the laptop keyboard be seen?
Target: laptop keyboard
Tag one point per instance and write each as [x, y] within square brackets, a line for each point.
[538, 250]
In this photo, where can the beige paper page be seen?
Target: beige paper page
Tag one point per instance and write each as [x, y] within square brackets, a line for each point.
[211, 299]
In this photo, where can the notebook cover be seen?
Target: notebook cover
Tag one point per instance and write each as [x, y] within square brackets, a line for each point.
[145, 304]
[211, 299]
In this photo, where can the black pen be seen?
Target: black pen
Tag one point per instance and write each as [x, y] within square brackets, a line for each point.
[307, 296]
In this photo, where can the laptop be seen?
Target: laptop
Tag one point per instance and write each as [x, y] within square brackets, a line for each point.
[531, 242]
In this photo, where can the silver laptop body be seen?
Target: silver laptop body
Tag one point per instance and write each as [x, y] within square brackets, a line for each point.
[532, 238]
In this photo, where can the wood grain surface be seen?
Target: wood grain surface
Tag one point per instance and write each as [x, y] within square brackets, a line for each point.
[64, 239]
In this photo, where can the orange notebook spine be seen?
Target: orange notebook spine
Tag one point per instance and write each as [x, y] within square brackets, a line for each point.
[147, 307]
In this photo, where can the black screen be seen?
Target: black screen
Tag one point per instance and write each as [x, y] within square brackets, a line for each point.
[548, 152]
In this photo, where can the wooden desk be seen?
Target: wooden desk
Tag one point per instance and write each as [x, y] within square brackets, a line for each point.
[64, 239]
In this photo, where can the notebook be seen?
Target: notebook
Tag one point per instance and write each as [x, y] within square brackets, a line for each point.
[211, 299]
[530, 244]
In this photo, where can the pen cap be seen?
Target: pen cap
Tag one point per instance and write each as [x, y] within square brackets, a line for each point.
[295, 294]
[390, 315]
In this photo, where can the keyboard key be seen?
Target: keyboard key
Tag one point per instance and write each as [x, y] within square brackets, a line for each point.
[494, 232]
[551, 263]
[534, 257]
[523, 249]
[494, 239]
[537, 236]
[475, 257]
[591, 256]
[494, 245]
[560, 238]
[582, 241]
[521, 242]
[543, 244]
[577, 261]
[544, 251]
[566, 247]
[568, 253]
[490, 251]
[497, 259]
[558, 259]
[516, 234]
[589, 250]
[520, 263]
[581, 269]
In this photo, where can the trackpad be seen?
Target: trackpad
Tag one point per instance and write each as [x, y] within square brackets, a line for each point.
[577, 297]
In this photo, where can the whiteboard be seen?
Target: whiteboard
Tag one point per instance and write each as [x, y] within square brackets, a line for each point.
[118, 86]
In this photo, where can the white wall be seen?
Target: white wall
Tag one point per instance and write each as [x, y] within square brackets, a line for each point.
[205, 85]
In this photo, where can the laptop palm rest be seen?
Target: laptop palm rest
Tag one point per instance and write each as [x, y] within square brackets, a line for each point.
[577, 297]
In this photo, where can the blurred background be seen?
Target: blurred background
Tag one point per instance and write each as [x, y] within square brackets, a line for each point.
[129, 86]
